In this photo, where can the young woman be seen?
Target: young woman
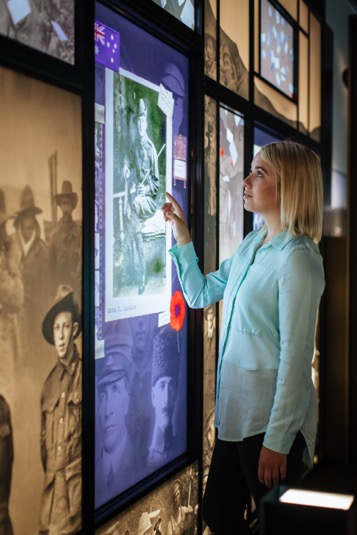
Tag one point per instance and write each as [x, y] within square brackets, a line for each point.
[266, 410]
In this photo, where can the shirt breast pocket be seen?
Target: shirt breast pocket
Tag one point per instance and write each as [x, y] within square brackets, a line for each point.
[48, 407]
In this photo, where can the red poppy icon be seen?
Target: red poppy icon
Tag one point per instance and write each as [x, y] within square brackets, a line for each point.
[177, 311]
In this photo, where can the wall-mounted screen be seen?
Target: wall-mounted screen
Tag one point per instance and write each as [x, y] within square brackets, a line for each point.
[276, 49]
[231, 174]
[141, 323]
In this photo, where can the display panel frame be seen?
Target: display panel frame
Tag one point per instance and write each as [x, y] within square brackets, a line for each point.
[289, 68]
[159, 92]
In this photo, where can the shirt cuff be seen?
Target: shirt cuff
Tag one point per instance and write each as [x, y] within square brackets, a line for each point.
[184, 254]
[279, 442]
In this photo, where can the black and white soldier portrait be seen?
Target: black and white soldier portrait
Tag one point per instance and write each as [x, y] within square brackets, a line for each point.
[116, 466]
[164, 445]
[139, 141]
[141, 175]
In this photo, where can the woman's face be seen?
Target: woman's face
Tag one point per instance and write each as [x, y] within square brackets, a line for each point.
[261, 194]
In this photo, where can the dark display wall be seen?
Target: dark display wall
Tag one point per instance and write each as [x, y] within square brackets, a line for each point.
[106, 106]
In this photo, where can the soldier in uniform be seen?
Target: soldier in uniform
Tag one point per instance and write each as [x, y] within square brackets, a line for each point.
[141, 174]
[116, 464]
[182, 520]
[11, 302]
[164, 381]
[61, 421]
[6, 459]
[34, 271]
[65, 249]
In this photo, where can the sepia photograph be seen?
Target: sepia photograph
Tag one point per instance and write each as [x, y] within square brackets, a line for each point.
[40, 296]
[45, 26]
[171, 509]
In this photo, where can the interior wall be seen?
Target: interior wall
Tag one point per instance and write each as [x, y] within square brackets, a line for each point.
[335, 325]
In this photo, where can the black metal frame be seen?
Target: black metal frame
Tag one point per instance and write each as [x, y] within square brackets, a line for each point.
[294, 26]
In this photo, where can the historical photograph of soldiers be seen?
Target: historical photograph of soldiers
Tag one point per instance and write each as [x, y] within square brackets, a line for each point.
[141, 403]
[40, 316]
[47, 26]
[171, 509]
[140, 179]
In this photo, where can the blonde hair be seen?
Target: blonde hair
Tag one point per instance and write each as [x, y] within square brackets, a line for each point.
[299, 176]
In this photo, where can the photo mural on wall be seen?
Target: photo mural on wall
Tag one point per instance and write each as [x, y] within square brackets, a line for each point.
[183, 10]
[40, 316]
[234, 72]
[45, 26]
[170, 509]
[141, 142]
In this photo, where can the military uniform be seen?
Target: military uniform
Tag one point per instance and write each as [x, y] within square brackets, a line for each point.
[140, 194]
[61, 447]
[117, 470]
[65, 255]
[6, 459]
[61, 432]
[33, 259]
[145, 164]
[164, 445]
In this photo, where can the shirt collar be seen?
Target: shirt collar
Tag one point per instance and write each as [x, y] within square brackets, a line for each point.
[71, 366]
[278, 242]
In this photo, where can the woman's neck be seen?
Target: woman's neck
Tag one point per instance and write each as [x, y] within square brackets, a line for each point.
[273, 227]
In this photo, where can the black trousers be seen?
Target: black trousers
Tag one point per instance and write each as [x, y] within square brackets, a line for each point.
[233, 479]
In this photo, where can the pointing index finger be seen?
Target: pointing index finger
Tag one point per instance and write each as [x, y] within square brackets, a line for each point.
[170, 197]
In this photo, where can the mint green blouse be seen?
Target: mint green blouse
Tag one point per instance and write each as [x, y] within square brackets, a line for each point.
[271, 297]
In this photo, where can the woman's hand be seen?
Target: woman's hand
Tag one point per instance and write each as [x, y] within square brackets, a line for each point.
[272, 467]
[173, 214]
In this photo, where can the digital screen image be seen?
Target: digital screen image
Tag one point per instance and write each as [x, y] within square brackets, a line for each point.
[141, 143]
[276, 49]
[231, 170]
[183, 10]
[45, 26]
